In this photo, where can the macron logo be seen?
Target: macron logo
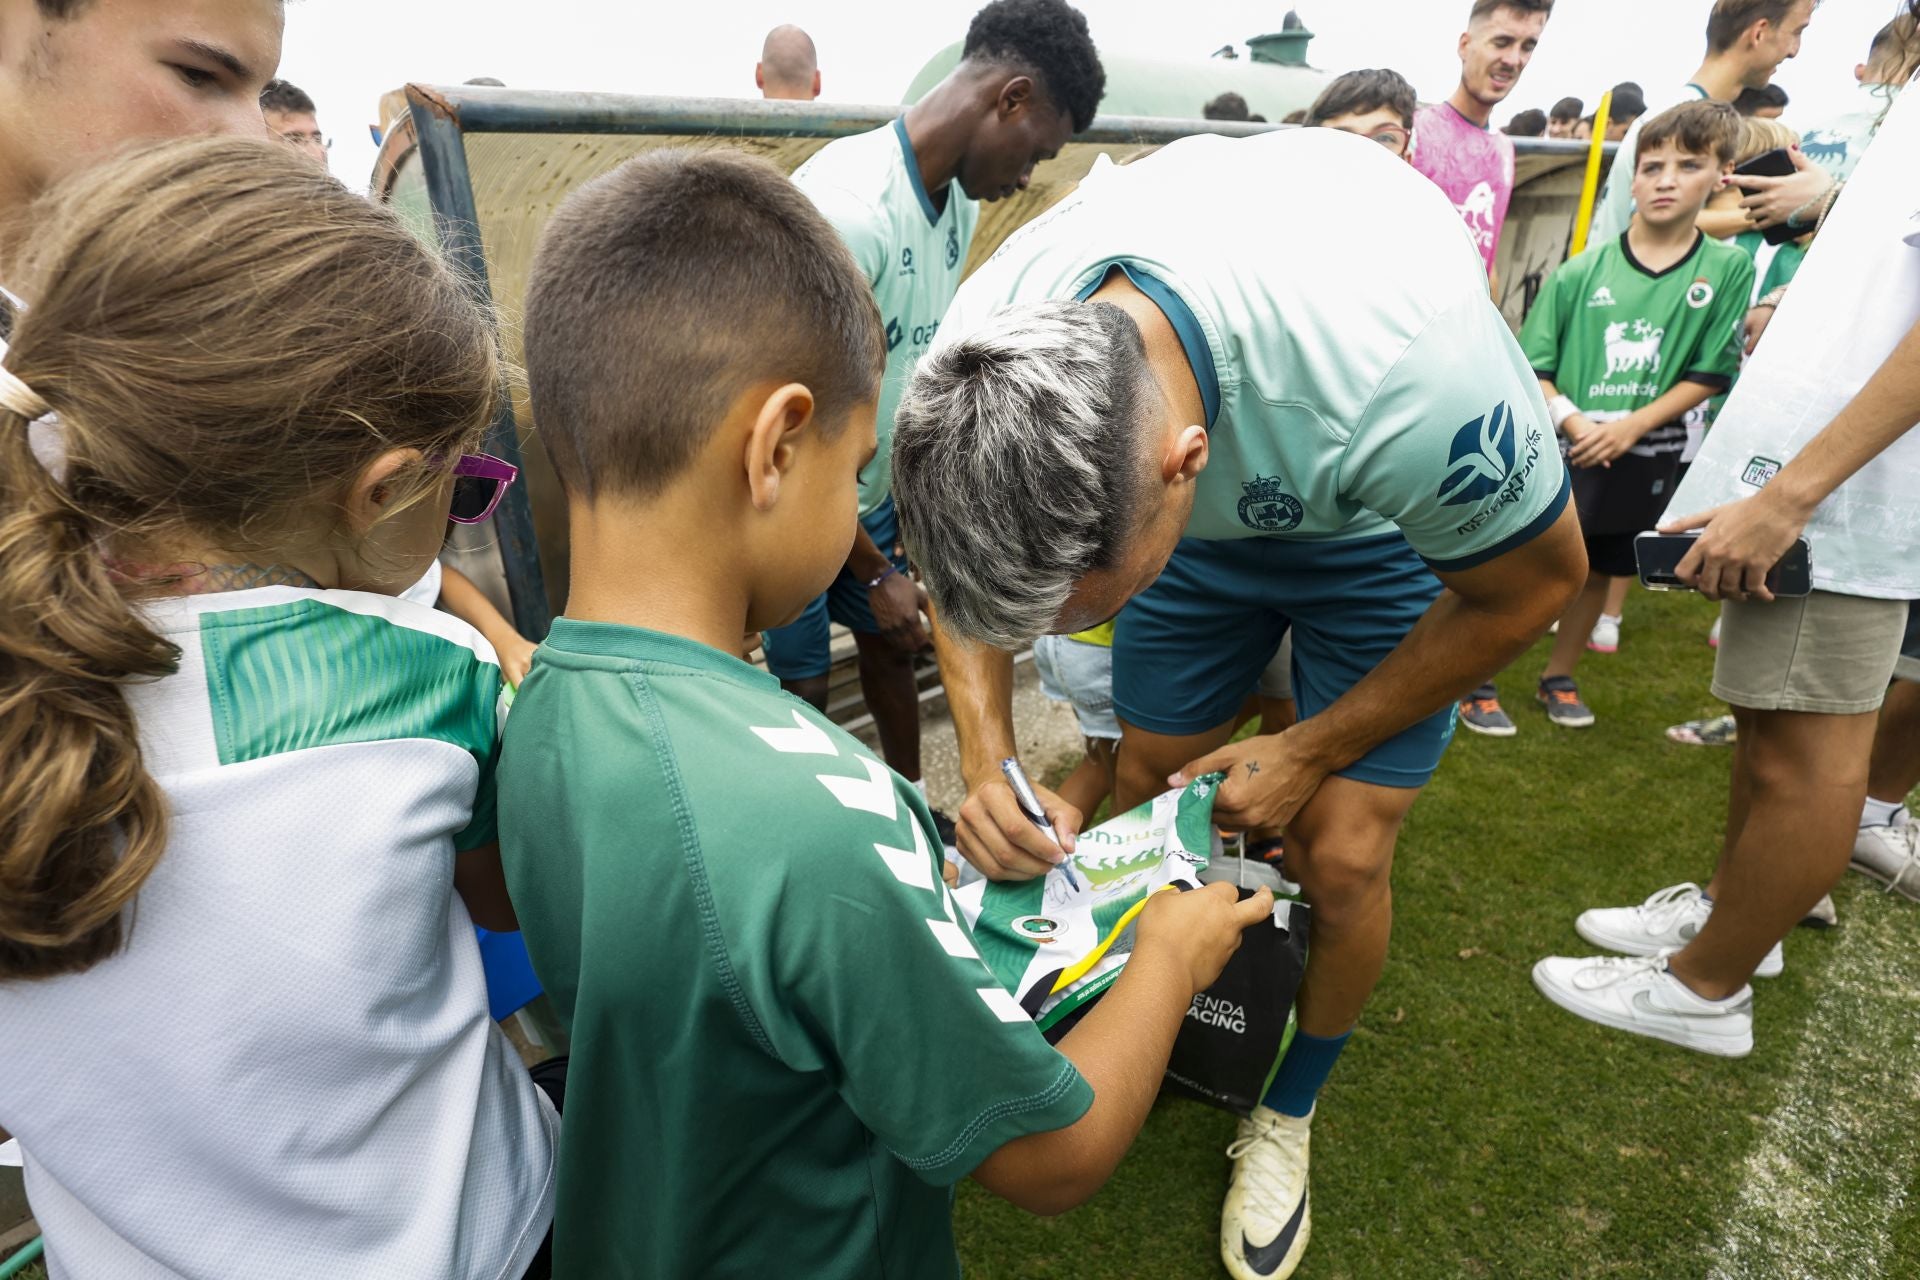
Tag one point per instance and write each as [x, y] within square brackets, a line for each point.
[1602, 297]
[1481, 458]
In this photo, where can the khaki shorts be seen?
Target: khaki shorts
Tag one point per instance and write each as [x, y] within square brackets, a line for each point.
[1825, 653]
[1908, 668]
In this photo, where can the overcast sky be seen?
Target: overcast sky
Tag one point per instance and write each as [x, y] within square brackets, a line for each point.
[347, 52]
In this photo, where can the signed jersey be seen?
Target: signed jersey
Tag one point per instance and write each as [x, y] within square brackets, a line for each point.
[1473, 165]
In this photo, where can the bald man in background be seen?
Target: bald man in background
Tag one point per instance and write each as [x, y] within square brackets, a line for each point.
[788, 66]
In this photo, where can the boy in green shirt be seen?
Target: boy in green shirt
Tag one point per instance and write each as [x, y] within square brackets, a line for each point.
[786, 1048]
[1627, 340]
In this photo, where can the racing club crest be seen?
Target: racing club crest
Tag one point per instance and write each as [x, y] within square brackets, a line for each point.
[953, 246]
[1268, 507]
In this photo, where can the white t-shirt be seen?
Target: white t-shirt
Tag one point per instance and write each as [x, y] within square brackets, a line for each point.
[1856, 296]
[1615, 211]
[426, 592]
[289, 1070]
[1356, 378]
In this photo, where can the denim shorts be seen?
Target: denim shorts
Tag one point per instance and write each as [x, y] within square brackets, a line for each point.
[1080, 675]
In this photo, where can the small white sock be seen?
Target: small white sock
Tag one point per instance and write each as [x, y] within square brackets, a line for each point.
[1883, 813]
[1614, 618]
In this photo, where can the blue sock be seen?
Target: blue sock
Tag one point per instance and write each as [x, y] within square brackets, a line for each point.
[1305, 1068]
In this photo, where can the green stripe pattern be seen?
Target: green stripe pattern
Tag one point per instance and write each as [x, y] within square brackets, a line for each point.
[290, 677]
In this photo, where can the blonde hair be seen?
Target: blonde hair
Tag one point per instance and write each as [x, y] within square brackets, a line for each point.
[1759, 135]
[227, 337]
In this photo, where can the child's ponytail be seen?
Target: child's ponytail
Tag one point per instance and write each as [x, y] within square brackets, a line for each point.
[81, 822]
[227, 336]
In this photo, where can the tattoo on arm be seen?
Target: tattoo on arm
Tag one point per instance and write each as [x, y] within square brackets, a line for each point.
[1253, 767]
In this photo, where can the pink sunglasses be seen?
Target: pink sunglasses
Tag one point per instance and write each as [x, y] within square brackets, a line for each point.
[480, 481]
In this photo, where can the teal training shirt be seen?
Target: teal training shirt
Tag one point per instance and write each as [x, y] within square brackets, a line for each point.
[1356, 377]
[911, 246]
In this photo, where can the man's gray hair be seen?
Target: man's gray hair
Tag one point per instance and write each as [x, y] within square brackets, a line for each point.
[1016, 464]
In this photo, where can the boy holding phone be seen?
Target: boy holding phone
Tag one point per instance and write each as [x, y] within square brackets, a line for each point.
[1628, 339]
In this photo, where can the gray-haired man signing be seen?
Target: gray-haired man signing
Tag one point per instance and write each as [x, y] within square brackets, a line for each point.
[1145, 401]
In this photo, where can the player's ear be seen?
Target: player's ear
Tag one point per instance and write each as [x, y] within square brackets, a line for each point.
[778, 426]
[1016, 95]
[1186, 455]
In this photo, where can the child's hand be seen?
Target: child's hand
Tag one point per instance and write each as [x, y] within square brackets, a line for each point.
[516, 656]
[1199, 930]
[1600, 445]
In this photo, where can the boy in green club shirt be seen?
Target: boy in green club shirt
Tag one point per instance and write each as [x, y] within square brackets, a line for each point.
[786, 1048]
[1627, 340]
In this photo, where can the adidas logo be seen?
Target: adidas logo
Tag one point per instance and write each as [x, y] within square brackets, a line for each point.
[1602, 297]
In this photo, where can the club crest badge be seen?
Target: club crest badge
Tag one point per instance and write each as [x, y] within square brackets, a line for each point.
[1268, 507]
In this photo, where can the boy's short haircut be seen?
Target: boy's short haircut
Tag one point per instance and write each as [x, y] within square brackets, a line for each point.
[1487, 8]
[1050, 39]
[1732, 19]
[287, 99]
[1759, 135]
[1567, 109]
[1628, 104]
[1358, 92]
[1527, 124]
[1228, 106]
[666, 287]
[1753, 101]
[1695, 128]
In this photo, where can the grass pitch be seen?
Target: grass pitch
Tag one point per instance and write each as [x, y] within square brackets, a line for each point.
[1474, 1130]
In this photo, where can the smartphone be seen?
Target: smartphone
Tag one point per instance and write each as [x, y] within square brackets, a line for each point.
[1659, 554]
[1777, 163]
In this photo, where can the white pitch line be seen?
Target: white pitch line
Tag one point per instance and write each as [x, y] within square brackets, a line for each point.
[1830, 1172]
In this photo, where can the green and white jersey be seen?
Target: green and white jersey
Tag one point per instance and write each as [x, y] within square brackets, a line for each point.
[291, 1063]
[1364, 386]
[1614, 336]
[786, 1046]
[1059, 941]
[912, 249]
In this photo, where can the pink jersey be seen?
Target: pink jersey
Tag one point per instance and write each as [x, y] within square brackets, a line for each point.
[1474, 166]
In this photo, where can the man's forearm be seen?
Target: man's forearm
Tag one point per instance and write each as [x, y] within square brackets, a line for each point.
[979, 685]
[1486, 619]
[866, 561]
[1885, 409]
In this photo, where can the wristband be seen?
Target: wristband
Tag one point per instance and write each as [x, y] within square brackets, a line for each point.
[1773, 298]
[886, 573]
[1560, 408]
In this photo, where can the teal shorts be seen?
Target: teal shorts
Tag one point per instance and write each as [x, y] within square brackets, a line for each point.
[1191, 647]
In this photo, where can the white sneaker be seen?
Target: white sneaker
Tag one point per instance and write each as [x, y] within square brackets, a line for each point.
[1640, 996]
[1605, 636]
[1264, 1224]
[1822, 916]
[1890, 855]
[1667, 921]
